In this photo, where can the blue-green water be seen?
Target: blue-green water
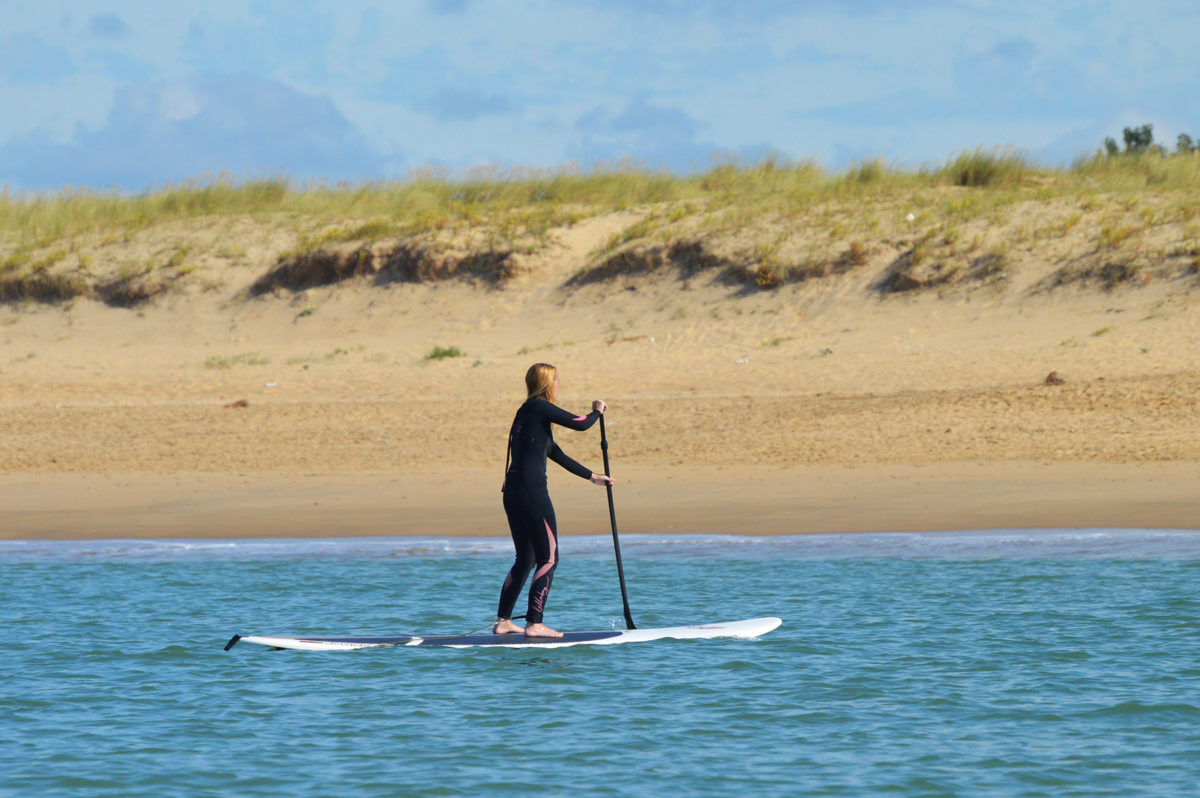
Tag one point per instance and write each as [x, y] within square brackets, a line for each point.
[1000, 663]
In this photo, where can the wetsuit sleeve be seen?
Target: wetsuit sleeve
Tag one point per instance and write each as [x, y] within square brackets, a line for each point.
[561, 417]
[561, 457]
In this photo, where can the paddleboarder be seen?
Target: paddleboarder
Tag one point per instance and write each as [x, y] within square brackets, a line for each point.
[527, 500]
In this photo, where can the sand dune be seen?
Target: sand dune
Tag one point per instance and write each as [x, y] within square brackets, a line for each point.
[820, 405]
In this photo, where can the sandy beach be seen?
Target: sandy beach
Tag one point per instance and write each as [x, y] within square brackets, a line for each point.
[819, 406]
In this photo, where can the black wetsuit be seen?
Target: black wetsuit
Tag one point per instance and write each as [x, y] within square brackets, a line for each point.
[527, 501]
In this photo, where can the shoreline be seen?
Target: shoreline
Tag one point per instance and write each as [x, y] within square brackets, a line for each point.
[737, 500]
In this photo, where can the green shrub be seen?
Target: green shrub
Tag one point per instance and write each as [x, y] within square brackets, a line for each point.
[443, 352]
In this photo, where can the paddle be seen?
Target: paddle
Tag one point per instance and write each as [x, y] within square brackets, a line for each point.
[612, 516]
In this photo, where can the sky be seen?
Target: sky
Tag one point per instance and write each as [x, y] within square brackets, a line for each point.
[132, 94]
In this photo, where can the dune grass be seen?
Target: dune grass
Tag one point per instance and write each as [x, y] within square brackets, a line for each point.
[428, 200]
[535, 199]
[49, 240]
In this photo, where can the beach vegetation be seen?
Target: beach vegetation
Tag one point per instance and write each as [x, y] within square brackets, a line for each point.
[1113, 237]
[39, 285]
[1108, 274]
[981, 168]
[229, 361]
[443, 352]
[639, 229]
[856, 254]
[525, 350]
[872, 171]
[757, 225]
[1137, 140]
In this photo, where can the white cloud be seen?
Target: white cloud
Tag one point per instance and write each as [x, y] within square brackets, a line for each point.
[178, 102]
[344, 87]
[159, 133]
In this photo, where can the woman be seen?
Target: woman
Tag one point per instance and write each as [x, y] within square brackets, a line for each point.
[527, 502]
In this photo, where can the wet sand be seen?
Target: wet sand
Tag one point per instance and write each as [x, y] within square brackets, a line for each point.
[720, 500]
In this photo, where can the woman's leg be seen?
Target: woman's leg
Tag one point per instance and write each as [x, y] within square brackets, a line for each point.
[520, 522]
[545, 549]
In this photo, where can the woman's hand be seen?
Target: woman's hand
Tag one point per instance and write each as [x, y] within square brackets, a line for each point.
[602, 480]
[599, 406]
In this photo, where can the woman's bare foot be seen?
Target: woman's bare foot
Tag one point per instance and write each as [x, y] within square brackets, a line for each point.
[540, 630]
[506, 627]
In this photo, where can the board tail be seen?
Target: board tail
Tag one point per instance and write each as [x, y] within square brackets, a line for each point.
[233, 641]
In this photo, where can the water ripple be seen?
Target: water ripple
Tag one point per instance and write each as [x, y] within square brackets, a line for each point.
[1015, 663]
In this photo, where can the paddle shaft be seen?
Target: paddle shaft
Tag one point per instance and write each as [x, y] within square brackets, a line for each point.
[612, 517]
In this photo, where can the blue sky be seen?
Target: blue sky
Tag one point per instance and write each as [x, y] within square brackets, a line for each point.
[136, 94]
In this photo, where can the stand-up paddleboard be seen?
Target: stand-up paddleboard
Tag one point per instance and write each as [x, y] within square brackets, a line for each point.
[631, 634]
[744, 629]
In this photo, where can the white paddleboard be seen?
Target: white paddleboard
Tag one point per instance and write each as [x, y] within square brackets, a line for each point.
[753, 627]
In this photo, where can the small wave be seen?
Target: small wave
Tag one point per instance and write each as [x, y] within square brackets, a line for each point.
[982, 545]
[1138, 709]
[248, 549]
[1007, 544]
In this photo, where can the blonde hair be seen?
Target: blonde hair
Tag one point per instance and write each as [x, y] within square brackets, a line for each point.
[539, 381]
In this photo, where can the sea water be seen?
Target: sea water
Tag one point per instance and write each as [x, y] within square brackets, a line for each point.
[995, 663]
